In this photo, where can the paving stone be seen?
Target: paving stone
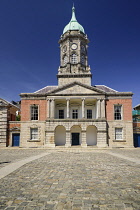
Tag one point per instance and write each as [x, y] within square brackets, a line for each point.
[82, 180]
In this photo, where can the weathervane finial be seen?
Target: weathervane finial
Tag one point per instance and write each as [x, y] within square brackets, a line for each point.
[73, 13]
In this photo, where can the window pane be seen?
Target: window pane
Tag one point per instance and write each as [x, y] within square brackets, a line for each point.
[118, 133]
[61, 114]
[74, 58]
[89, 113]
[34, 112]
[117, 112]
[75, 113]
[34, 133]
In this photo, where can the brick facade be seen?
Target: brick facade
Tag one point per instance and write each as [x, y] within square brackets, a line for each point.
[126, 106]
[25, 109]
[125, 123]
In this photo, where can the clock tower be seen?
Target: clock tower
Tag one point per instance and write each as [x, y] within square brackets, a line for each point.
[73, 54]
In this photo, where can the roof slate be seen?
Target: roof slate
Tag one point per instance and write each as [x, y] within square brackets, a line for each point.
[46, 89]
[106, 89]
[3, 102]
[100, 87]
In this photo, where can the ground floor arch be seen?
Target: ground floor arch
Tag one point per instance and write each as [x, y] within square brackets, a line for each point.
[60, 135]
[70, 133]
[75, 135]
[91, 135]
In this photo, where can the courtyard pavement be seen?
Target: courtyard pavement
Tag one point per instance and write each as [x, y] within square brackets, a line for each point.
[78, 179]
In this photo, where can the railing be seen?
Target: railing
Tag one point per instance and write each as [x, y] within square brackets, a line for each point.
[136, 112]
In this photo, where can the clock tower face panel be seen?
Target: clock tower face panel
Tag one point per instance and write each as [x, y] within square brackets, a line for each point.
[73, 51]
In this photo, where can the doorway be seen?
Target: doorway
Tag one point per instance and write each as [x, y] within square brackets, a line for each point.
[136, 140]
[15, 139]
[75, 138]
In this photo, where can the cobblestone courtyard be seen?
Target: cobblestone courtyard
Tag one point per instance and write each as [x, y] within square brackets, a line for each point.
[71, 179]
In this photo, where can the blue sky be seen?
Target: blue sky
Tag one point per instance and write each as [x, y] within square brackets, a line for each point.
[29, 49]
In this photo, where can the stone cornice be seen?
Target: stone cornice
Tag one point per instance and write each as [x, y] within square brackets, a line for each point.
[77, 120]
[73, 75]
[70, 35]
[33, 96]
[119, 94]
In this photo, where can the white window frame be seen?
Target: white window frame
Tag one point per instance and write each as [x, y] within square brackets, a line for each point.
[34, 134]
[32, 112]
[117, 115]
[118, 134]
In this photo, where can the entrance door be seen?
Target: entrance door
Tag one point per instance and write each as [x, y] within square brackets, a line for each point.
[15, 139]
[75, 138]
[136, 140]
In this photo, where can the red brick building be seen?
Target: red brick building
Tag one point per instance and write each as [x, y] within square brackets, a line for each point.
[74, 112]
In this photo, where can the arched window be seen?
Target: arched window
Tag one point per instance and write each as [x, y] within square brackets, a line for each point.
[65, 60]
[74, 58]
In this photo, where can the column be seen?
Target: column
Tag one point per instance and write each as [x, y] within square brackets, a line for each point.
[98, 109]
[52, 108]
[102, 108]
[83, 107]
[68, 108]
[48, 108]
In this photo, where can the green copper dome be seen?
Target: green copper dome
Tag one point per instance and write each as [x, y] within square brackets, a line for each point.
[73, 24]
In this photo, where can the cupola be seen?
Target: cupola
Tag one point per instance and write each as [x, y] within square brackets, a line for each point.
[73, 25]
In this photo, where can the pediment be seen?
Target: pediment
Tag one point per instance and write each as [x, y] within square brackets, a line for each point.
[76, 88]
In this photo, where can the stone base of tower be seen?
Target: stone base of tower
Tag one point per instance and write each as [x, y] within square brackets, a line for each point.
[66, 79]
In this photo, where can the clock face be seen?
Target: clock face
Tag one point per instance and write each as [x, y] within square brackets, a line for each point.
[74, 46]
[64, 49]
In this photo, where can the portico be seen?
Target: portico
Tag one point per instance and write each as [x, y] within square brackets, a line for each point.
[75, 108]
